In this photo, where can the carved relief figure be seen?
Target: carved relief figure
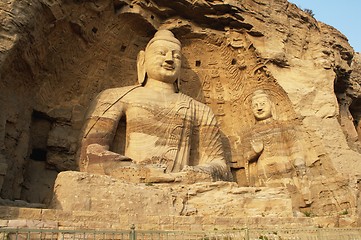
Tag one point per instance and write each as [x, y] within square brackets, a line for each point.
[272, 151]
[166, 132]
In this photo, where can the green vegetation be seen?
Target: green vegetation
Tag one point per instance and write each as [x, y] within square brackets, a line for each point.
[308, 213]
[344, 212]
[309, 11]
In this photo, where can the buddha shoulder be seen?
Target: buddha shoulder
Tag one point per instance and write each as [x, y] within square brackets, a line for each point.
[114, 94]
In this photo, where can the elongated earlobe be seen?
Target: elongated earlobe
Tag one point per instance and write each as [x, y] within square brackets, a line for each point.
[273, 111]
[141, 68]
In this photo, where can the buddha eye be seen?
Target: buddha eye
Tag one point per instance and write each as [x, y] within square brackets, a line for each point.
[177, 56]
[160, 52]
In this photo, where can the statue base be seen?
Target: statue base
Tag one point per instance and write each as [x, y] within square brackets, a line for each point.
[80, 191]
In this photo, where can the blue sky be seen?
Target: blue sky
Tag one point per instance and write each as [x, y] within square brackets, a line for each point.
[343, 15]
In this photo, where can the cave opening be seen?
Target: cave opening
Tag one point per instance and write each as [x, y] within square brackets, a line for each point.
[349, 109]
[355, 110]
[38, 154]
[39, 176]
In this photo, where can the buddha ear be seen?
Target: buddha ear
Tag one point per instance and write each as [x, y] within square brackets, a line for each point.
[141, 67]
[273, 111]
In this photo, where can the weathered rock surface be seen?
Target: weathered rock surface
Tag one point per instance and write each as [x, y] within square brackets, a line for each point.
[91, 192]
[56, 56]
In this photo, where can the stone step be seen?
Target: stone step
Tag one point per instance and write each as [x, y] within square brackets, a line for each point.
[14, 217]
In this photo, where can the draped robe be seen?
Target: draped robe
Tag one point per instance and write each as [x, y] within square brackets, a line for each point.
[281, 148]
[169, 131]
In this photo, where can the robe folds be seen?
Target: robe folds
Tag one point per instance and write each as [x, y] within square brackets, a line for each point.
[169, 131]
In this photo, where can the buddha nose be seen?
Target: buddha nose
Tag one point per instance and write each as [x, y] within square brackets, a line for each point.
[169, 58]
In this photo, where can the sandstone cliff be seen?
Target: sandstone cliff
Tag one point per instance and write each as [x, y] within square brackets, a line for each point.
[56, 56]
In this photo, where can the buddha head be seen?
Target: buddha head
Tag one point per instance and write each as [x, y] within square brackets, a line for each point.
[161, 59]
[261, 105]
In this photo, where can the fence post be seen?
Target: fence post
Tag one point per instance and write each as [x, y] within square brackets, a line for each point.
[132, 235]
[247, 233]
[319, 237]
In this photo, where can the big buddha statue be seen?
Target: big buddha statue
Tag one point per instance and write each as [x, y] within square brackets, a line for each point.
[168, 135]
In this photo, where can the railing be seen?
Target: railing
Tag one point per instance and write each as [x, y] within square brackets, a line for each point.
[132, 234]
[306, 234]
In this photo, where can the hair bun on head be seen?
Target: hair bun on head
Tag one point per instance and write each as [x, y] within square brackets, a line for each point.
[165, 35]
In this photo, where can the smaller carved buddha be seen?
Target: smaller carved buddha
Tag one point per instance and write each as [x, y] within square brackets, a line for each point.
[272, 151]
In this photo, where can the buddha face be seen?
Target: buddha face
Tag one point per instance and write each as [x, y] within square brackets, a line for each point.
[261, 107]
[163, 61]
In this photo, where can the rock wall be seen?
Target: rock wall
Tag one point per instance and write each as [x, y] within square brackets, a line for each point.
[56, 56]
[353, 92]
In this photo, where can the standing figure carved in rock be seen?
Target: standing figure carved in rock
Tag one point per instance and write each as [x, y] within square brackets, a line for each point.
[272, 151]
[168, 135]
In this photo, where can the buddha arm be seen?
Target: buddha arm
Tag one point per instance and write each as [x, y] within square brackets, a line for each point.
[98, 133]
[250, 155]
[256, 149]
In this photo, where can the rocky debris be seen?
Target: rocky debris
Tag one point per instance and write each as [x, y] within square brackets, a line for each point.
[20, 203]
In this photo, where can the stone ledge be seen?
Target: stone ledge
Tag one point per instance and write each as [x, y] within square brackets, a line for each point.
[54, 218]
[96, 192]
